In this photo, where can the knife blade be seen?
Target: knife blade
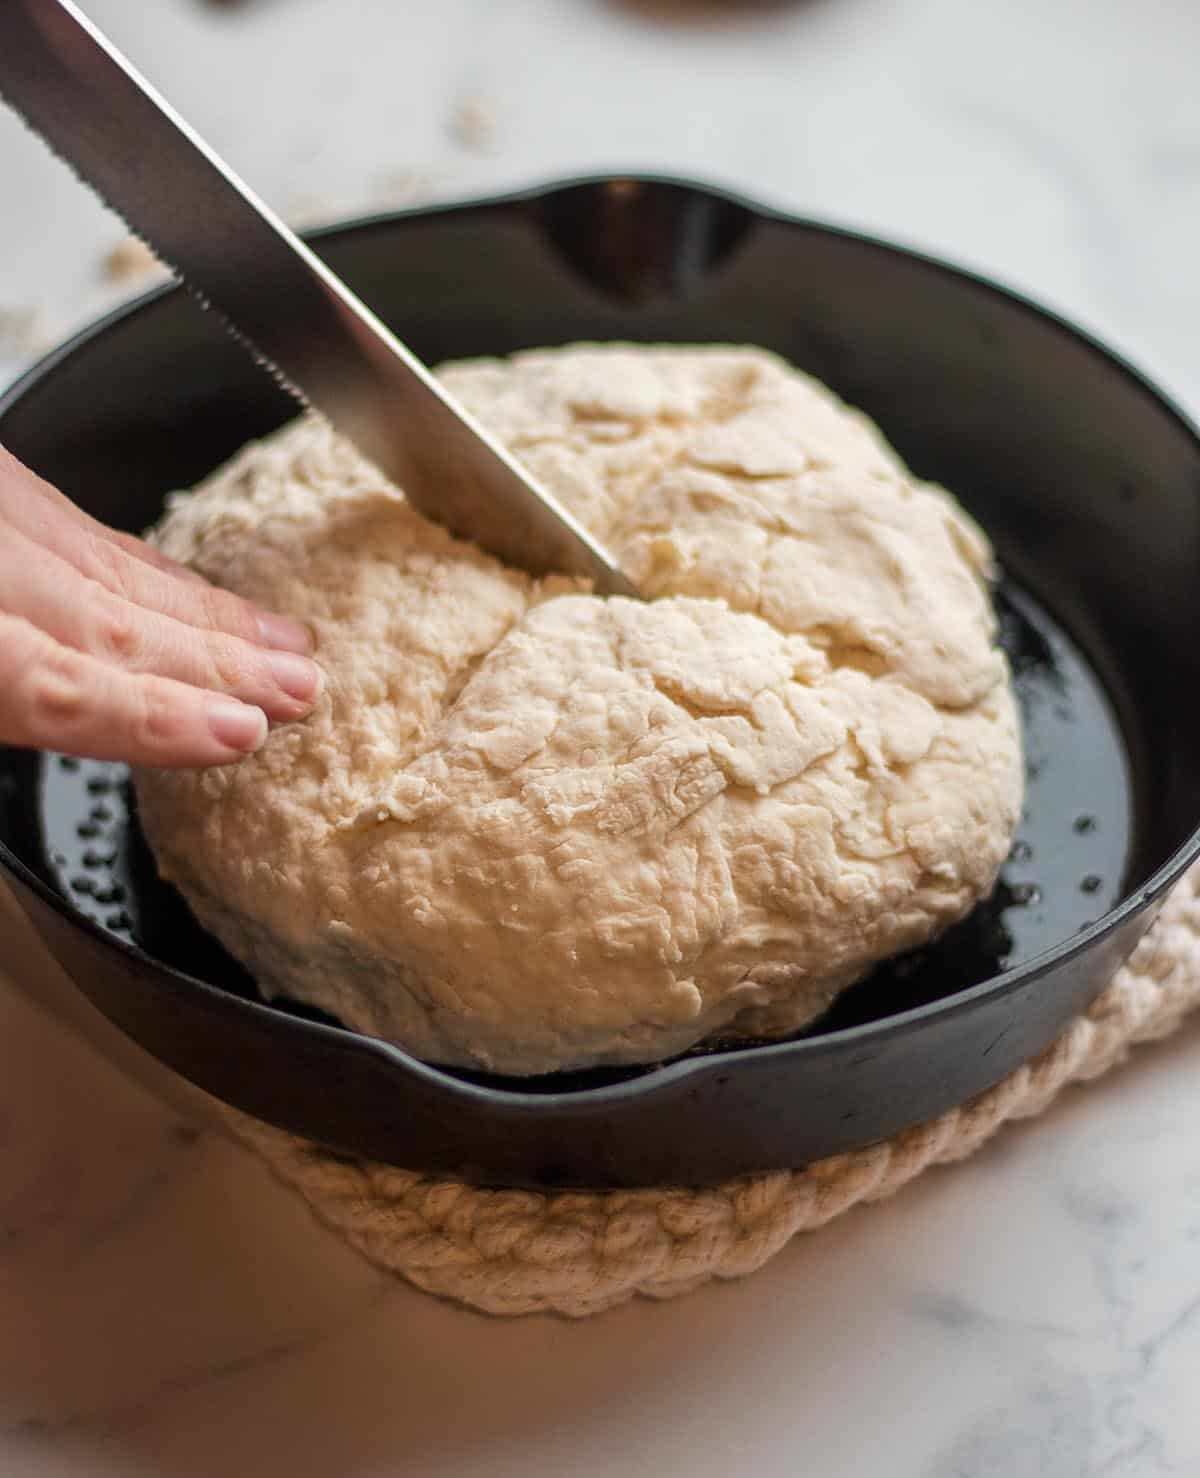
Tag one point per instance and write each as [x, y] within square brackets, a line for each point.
[74, 88]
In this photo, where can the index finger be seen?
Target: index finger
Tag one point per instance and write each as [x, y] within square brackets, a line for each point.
[130, 568]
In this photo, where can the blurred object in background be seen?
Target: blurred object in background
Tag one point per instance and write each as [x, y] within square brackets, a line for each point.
[689, 12]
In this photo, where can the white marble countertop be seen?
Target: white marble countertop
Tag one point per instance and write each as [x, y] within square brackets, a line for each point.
[165, 1308]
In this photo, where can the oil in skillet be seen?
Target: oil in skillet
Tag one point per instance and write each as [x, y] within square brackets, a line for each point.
[1069, 861]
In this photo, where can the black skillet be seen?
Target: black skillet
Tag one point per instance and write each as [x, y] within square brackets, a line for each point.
[1087, 479]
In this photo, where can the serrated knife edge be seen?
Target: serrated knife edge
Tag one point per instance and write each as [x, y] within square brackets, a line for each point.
[76, 90]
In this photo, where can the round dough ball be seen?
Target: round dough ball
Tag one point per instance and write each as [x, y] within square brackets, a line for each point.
[528, 829]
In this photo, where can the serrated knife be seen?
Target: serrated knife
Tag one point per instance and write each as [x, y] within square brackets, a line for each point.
[74, 88]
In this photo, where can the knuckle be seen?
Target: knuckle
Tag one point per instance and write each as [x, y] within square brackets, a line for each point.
[19, 644]
[227, 612]
[107, 564]
[234, 667]
[158, 720]
[147, 555]
[54, 693]
[130, 544]
[118, 634]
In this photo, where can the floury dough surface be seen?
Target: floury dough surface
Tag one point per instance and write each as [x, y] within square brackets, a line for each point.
[529, 829]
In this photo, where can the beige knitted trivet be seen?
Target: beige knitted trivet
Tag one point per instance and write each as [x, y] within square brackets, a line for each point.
[516, 1252]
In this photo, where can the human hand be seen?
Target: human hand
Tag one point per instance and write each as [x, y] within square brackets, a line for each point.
[112, 651]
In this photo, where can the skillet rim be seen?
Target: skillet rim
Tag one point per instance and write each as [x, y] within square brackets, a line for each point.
[658, 1076]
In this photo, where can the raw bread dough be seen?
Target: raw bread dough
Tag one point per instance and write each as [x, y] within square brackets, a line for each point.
[529, 829]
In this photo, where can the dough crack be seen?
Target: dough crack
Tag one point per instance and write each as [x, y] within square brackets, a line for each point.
[529, 829]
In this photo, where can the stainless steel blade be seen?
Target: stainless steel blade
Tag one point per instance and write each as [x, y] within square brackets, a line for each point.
[75, 88]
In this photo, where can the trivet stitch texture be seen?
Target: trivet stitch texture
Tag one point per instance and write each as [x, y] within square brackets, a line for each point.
[519, 1252]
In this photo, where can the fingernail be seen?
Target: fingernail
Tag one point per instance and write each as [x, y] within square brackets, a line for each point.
[297, 676]
[236, 725]
[284, 634]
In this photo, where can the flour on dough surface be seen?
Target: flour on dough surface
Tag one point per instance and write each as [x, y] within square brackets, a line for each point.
[526, 828]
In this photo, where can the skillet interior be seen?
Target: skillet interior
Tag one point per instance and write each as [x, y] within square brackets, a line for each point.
[1067, 866]
[1089, 485]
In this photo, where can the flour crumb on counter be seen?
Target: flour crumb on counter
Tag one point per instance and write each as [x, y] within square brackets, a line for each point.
[305, 211]
[132, 261]
[24, 332]
[474, 123]
[405, 187]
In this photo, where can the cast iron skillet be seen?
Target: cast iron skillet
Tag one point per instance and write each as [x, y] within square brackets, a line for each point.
[1088, 480]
